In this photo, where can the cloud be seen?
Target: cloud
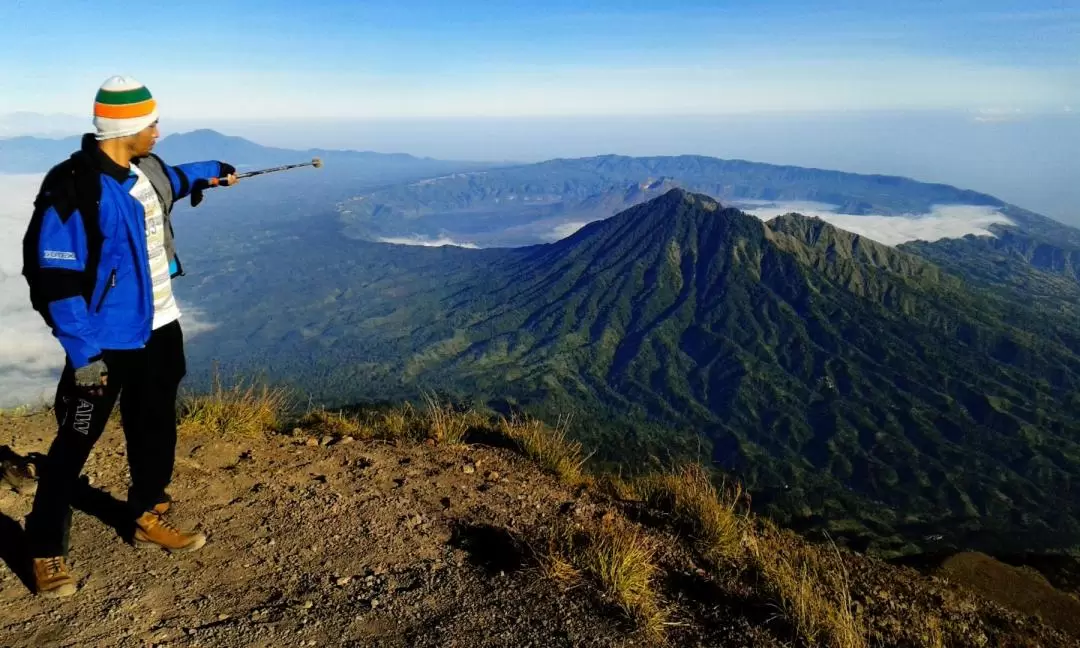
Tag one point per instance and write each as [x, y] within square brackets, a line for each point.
[194, 320]
[943, 221]
[30, 357]
[996, 115]
[566, 229]
[416, 239]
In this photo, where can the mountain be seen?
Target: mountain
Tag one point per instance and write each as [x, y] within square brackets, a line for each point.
[528, 204]
[1043, 267]
[852, 384]
[34, 155]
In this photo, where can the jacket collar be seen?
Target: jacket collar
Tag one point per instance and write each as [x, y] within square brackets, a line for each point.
[102, 162]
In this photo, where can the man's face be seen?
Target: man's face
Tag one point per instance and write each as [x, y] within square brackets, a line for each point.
[143, 141]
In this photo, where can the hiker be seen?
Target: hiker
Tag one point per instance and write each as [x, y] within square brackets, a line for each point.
[100, 259]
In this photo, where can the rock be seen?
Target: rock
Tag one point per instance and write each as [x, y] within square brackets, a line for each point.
[468, 469]
[374, 603]
[312, 441]
[343, 581]
[493, 476]
[346, 440]
[222, 617]
[326, 440]
[307, 605]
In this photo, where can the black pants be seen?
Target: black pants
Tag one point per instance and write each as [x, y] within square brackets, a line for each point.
[146, 381]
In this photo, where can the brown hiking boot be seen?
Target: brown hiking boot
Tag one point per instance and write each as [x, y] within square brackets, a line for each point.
[153, 530]
[19, 475]
[52, 578]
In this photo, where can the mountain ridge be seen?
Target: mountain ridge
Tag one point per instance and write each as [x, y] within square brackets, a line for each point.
[877, 392]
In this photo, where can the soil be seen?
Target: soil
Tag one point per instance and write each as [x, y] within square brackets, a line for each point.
[362, 544]
[332, 542]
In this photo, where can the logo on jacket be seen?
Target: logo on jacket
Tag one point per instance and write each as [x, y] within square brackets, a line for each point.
[59, 256]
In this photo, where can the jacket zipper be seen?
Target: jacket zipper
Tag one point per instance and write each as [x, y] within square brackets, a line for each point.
[109, 286]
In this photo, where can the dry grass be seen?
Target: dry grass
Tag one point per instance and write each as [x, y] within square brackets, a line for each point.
[444, 423]
[618, 557]
[811, 587]
[244, 410]
[556, 560]
[934, 637]
[549, 447]
[321, 422]
[695, 505]
[17, 412]
[397, 423]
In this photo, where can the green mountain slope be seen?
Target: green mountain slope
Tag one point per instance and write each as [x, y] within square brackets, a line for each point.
[852, 384]
[1043, 267]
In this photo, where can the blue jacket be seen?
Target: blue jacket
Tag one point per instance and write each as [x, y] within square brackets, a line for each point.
[85, 252]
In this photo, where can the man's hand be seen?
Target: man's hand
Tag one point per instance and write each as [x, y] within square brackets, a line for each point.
[93, 377]
[228, 173]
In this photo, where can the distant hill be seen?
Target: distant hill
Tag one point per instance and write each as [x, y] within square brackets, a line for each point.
[35, 154]
[1025, 264]
[853, 384]
[537, 203]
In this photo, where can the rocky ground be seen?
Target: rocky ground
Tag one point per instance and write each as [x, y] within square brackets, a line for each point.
[336, 542]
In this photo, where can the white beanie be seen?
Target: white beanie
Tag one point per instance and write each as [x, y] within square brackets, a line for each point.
[123, 107]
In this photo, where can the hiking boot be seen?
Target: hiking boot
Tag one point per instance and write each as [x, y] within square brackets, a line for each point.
[52, 578]
[20, 476]
[153, 530]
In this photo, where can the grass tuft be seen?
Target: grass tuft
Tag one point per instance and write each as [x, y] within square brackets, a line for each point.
[811, 587]
[618, 558]
[689, 496]
[321, 422]
[549, 447]
[243, 410]
[444, 423]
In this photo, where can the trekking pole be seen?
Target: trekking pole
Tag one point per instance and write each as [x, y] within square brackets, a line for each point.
[197, 194]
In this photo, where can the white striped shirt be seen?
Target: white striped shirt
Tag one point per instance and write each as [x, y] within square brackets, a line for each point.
[165, 309]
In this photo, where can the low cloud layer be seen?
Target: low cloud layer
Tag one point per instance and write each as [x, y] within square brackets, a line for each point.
[30, 357]
[943, 221]
[424, 241]
[566, 229]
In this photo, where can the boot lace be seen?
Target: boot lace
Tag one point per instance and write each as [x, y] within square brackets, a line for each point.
[161, 522]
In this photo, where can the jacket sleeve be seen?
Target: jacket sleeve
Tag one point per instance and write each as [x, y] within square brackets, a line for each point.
[184, 177]
[62, 259]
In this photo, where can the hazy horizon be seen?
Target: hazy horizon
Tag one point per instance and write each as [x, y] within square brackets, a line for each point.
[1024, 159]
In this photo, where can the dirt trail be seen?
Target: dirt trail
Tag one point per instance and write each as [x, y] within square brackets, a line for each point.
[361, 544]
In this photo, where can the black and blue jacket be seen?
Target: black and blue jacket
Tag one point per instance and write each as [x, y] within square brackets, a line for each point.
[85, 255]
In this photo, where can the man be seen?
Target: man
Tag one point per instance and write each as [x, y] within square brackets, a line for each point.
[99, 258]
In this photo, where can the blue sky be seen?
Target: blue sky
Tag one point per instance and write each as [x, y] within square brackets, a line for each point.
[285, 59]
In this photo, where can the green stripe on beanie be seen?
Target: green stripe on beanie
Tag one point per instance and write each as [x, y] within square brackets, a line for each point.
[121, 97]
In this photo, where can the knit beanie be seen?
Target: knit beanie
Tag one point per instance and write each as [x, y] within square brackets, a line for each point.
[123, 107]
